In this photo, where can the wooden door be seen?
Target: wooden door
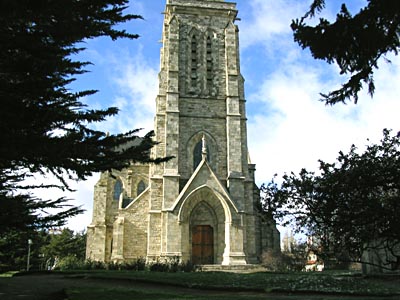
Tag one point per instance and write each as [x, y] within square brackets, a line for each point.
[202, 245]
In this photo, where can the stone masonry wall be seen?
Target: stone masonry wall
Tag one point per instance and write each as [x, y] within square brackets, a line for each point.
[136, 228]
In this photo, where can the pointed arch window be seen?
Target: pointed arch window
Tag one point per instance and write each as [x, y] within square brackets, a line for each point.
[118, 187]
[194, 62]
[141, 187]
[209, 64]
[197, 154]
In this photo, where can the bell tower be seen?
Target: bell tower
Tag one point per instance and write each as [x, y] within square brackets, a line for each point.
[201, 94]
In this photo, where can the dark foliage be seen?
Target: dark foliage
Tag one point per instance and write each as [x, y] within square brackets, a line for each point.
[21, 215]
[355, 43]
[351, 206]
[283, 261]
[45, 128]
[64, 244]
[136, 265]
[167, 266]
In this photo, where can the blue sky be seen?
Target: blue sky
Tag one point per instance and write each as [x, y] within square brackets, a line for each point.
[288, 128]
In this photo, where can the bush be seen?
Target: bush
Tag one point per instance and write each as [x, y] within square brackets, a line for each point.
[159, 266]
[187, 266]
[70, 263]
[282, 262]
[171, 265]
[94, 265]
[137, 265]
[5, 268]
[113, 266]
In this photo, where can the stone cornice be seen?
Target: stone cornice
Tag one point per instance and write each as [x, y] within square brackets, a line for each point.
[218, 5]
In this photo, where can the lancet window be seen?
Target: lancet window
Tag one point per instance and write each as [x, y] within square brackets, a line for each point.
[141, 187]
[117, 190]
[209, 64]
[197, 154]
[194, 62]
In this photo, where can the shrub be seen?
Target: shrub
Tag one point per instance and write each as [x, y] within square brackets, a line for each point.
[138, 264]
[282, 262]
[94, 265]
[5, 268]
[159, 266]
[70, 263]
[187, 266]
[174, 264]
[113, 266]
[171, 265]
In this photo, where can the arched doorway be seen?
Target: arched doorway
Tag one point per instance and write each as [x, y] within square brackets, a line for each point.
[203, 207]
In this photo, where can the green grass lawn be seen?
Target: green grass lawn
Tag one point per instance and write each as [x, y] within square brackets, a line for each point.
[336, 283]
[117, 294]
[129, 294]
[8, 274]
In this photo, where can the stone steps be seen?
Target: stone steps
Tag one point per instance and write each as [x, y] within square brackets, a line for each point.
[232, 268]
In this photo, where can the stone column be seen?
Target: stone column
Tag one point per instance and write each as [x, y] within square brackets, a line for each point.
[171, 168]
[226, 256]
[118, 240]
[234, 118]
[233, 253]
[97, 230]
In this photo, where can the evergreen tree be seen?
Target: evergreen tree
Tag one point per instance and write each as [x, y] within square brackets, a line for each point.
[355, 43]
[64, 244]
[44, 126]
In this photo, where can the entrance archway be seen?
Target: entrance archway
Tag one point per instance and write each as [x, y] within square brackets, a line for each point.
[204, 207]
[202, 245]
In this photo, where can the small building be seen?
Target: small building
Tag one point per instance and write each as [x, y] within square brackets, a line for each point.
[313, 263]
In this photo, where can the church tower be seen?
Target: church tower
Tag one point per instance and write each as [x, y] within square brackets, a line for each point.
[202, 204]
[201, 94]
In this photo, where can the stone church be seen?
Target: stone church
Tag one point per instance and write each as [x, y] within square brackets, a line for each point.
[202, 205]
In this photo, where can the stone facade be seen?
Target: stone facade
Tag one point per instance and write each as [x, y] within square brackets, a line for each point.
[202, 204]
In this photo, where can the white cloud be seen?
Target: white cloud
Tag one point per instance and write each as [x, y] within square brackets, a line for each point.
[269, 19]
[298, 129]
[135, 84]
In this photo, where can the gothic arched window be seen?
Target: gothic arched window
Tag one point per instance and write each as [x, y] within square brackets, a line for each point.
[197, 154]
[209, 63]
[117, 190]
[141, 187]
[194, 62]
